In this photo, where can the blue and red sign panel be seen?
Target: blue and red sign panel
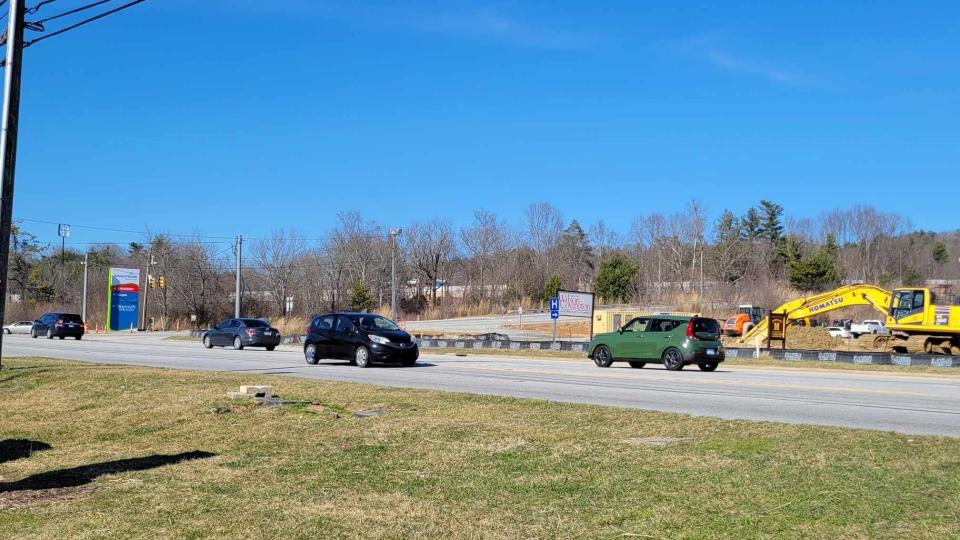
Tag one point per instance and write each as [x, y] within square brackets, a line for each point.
[123, 305]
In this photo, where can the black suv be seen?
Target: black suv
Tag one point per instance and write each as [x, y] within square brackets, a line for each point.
[59, 325]
[361, 338]
[240, 333]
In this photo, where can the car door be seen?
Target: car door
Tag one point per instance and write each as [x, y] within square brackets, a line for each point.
[631, 340]
[42, 324]
[342, 341]
[219, 334]
[659, 332]
[321, 335]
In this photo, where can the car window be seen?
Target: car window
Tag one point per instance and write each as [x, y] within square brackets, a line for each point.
[343, 325]
[254, 323]
[324, 323]
[636, 325]
[706, 328]
[374, 322]
[70, 318]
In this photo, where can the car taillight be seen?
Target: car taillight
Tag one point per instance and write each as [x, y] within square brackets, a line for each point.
[306, 331]
[251, 331]
[58, 323]
[690, 334]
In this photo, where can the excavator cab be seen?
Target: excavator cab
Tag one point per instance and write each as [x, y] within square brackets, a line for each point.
[907, 302]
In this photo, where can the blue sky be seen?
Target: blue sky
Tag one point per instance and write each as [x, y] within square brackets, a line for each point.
[228, 116]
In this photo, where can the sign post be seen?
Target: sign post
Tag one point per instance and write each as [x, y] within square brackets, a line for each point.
[554, 314]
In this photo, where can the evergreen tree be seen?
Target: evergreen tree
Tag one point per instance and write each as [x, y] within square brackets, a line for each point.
[816, 272]
[940, 255]
[771, 224]
[553, 285]
[750, 226]
[360, 297]
[616, 278]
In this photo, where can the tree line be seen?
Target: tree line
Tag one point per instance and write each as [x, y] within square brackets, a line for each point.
[682, 260]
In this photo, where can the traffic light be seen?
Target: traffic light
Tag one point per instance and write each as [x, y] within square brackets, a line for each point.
[153, 282]
[163, 282]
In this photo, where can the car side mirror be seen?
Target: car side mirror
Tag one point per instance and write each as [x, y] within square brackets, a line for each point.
[619, 330]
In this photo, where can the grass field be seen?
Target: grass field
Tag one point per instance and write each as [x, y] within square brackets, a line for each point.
[138, 452]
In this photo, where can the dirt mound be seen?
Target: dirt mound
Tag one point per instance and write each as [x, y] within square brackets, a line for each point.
[803, 337]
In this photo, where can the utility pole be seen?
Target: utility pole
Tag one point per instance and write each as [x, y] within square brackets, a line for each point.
[394, 232]
[146, 288]
[8, 140]
[83, 309]
[236, 301]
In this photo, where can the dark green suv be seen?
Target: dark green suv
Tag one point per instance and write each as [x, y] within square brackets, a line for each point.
[675, 341]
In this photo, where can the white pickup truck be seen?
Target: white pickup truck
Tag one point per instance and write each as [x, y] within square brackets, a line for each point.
[868, 327]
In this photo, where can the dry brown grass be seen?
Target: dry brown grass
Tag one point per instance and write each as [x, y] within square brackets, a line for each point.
[444, 465]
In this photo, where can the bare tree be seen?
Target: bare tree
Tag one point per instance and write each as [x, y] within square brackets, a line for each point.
[429, 246]
[278, 260]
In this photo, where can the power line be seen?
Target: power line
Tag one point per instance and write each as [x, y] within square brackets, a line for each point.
[81, 23]
[66, 13]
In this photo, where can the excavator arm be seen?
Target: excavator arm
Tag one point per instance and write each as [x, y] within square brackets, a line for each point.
[848, 296]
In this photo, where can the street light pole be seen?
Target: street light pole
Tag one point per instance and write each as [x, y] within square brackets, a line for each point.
[83, 310]
[8, 140]
[236, 302]
[394, 232]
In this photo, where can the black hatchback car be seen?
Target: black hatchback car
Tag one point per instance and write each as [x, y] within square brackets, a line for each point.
[361, 338]
[240, 333]
[60, 325]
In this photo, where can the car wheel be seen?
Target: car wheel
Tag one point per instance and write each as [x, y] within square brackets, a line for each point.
[637, 365]
[602, 357]
[672, 359]
[270, 347]
[61, 337]
[78, 338]
[237, 344]
[207, 343]
[33, 334]
[49, 333]
[310, 353]
[708, 366]
[7, 331]
[361, 357]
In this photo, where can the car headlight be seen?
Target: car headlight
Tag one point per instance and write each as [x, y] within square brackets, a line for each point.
[379, 339]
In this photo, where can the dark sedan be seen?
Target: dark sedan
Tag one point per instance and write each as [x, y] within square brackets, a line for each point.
[361, 338]
[240, 333]
[58, 325]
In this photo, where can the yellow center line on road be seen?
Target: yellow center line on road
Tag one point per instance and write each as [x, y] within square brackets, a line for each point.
[715, 382]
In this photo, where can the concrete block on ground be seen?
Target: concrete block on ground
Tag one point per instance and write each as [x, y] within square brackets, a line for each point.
[261, 391]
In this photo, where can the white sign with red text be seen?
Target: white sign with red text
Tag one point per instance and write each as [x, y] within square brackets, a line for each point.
[575, 304]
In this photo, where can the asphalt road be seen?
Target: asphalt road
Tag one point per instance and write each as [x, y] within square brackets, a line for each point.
[872, 400]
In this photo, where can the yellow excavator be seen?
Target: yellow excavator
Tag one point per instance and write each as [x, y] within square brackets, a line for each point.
[916, 322]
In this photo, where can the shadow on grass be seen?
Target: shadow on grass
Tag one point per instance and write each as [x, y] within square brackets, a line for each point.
[78, 476]
[12, 449]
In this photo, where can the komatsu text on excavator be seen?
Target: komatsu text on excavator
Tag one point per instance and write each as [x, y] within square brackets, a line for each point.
[918, 324]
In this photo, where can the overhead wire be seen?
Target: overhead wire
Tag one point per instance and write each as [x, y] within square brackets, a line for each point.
[66, 13]
[86, 21]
